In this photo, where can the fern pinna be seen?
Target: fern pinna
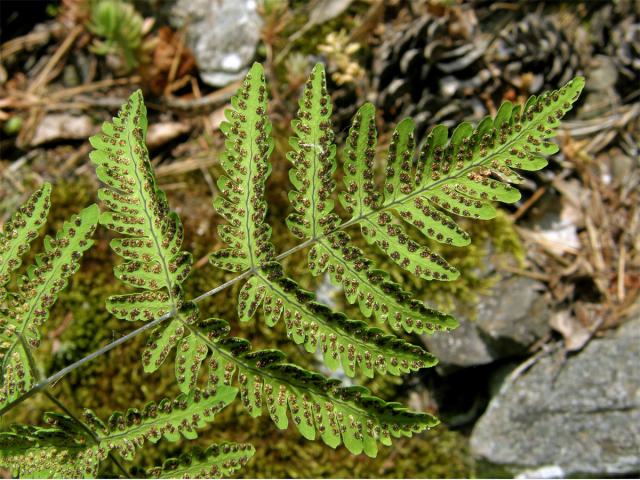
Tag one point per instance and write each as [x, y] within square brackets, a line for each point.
[27, 307]
[68, 449]
[426, 187]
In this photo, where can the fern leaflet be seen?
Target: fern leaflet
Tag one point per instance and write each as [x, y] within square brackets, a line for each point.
[459, 175]
[19, 231]
[139, 209]
[65, 450]
[24, 311]
[28, 451]
[245, 161]
[217, 461]
[318, 406]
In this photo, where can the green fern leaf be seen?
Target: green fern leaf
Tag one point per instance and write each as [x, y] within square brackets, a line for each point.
[168, 419]
[217, 461]
[151, 249]
[372, 289]
[28, 308]
[361, 200]
[359, 153]
[19, 231]
[245, 160]
[29, 451]
[459, 175]
[313, 159]
[64, 449]
[318, 406]
[343, 342]
[138, 209]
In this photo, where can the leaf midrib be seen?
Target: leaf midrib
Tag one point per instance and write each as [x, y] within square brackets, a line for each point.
[352, 339]
[314, 176]
[364, 279]
[247, 198]
[286, 381]
[152, 231]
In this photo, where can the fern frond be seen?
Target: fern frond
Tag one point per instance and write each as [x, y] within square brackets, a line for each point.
[452, 176]
[20, 230]
[65, 450]
[313, 159]
[343, 342]
[245, 160]
[27, 309]
[318, 406]
[217, 461]
[458, 174]
[138, 209]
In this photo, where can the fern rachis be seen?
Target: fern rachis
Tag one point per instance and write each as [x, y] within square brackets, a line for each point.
[425, 189]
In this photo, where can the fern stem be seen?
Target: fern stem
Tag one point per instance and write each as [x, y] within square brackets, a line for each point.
[219, 288]
[301, 246]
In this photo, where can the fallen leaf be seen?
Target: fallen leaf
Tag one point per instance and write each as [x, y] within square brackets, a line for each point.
[56, 127]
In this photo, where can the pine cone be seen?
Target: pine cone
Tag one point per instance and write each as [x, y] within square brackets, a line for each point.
[534, 55]
[432, 70]
[615, 29]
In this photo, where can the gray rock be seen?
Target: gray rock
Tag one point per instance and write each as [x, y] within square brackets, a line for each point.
[508, 321]
[580, 418]
[222, 34]
[464, 347]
